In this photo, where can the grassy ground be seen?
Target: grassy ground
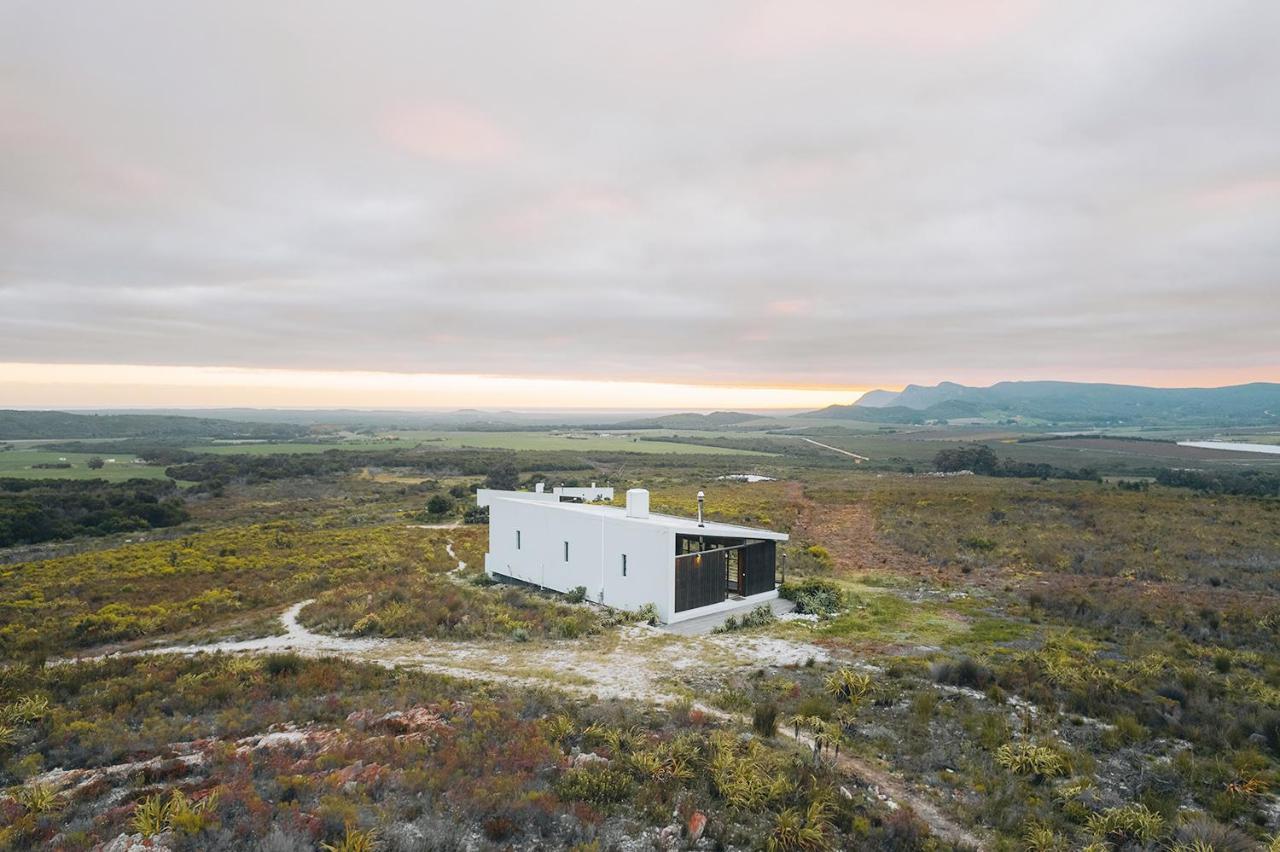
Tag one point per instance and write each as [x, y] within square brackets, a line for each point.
[18, 463]
[581, 442]
[917, 449]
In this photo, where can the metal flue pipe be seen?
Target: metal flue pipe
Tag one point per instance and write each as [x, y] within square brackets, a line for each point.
[701, 498]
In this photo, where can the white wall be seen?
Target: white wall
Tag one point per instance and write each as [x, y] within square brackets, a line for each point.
[590, 495]
[650, 554]
[596, 544]
[485, 496]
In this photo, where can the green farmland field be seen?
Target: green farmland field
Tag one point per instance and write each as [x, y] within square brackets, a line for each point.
[19, 464]
[485, 440]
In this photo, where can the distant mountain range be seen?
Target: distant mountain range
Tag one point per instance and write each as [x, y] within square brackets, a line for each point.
[1068, 403]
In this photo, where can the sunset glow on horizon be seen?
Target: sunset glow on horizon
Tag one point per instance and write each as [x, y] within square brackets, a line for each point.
[26, 385]
[113, 385]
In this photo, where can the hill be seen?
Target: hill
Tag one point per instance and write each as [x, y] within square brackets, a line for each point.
[1070, 402]
[877, 399]
[19, 425]
[714, 420]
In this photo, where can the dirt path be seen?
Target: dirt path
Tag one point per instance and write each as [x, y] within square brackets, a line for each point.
[848, 532]
[857, 458]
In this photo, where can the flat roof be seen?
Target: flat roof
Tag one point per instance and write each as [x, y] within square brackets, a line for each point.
[618, 513]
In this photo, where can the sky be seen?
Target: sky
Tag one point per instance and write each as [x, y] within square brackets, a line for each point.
[752, 204]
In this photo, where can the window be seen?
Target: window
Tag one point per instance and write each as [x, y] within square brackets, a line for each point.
[566, 551]
[624, 564]
[517, 539]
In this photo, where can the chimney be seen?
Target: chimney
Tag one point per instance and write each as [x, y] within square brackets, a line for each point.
[701, 497]
[537, 488]
[637, 503]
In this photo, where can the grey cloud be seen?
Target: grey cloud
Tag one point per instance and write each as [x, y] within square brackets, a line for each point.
[798, 192]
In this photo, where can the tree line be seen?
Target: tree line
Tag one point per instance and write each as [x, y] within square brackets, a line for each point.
[36, 510]
[981, 460]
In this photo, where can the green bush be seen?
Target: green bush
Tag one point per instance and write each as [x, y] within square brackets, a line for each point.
[814, 597]
[1037, 761]
[1132, 823]
[282, 665]
[764, 719]
[598, 786]
[758, 617]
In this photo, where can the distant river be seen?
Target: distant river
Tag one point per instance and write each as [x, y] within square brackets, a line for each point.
[1230, 445]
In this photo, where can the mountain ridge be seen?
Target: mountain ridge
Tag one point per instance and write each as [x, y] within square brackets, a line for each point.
[1071, 402]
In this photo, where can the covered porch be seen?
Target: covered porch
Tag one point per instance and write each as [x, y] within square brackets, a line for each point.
[710, 570]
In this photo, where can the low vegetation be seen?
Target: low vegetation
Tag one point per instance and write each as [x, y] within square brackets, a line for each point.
[1046, 663]
[209, 752]
[37, 510]
[149, 588]
[410, 603]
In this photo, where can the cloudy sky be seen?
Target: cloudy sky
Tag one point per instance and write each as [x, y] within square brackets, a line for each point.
[795, 195]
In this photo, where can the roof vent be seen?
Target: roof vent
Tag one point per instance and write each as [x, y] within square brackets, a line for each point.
[637, 503]
[537, 488]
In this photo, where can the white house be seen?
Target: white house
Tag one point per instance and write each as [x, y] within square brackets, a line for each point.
[630, 557]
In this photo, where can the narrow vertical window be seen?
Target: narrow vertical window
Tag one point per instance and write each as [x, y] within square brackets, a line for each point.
[517, 539]
[624, 564]
[566, 551]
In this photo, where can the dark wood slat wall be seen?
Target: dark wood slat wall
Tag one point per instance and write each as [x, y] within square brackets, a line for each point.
[758, 567]
[700, 580]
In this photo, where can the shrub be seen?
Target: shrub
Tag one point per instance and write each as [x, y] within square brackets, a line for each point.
[1132, 823]
[577, 594]
[599, 786]
[354, 840]
[1203, 833]
[733, 700]
[801, 831]
[764, 719]
[964, 672]
[1038, 761]
[439, 505]
[155, 814]
[648, 614]
[757, 617]
[847, 685]
[367, 625]
[1040, 838]
[814, 597]
[282, 665]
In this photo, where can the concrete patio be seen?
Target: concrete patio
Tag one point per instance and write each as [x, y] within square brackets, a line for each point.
[706, 623]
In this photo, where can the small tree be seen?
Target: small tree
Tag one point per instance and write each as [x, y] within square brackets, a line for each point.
[503, 477]
[439, 505]
[95, 462]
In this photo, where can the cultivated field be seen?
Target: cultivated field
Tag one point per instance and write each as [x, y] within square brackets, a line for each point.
[21, 463]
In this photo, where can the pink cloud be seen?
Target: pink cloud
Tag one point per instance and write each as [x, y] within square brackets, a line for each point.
[1246, 192]
[450, 132]
[789, 307]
